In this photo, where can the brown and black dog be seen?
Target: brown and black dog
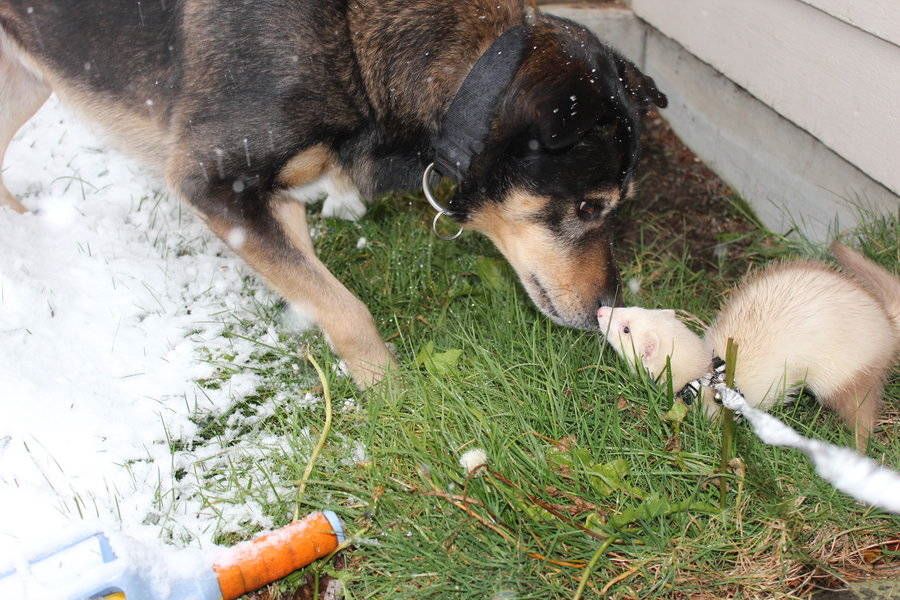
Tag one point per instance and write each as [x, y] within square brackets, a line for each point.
[237, 102]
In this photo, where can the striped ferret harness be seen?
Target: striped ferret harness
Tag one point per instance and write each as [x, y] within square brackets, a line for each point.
[714, 378]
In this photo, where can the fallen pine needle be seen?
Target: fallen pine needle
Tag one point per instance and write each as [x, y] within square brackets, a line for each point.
[618, 578]
[590, 567]
[548, 507]
[439, 493]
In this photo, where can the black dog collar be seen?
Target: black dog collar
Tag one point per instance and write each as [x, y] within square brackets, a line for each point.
[467, 123]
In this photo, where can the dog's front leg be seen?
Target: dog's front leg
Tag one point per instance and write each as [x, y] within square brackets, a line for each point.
[271, 234]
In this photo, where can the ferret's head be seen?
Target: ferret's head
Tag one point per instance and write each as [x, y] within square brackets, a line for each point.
[649, 336]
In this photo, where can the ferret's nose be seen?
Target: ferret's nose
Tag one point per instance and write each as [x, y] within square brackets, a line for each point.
[602, 312]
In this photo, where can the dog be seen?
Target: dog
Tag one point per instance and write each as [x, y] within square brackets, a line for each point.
[239, 104]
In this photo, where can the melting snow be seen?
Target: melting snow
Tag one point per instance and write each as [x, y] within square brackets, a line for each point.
[110, 294]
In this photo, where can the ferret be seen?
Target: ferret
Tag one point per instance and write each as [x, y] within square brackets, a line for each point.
[797, 324]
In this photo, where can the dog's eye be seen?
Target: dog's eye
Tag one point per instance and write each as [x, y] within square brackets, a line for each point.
[626, 330]
[588, 210]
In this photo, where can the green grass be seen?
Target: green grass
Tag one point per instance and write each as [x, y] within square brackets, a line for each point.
[581, 455]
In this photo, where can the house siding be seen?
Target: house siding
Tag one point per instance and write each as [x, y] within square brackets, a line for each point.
[831, 70]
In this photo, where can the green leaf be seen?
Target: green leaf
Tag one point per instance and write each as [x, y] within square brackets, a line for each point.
[536, 514]
[490, 272]
[678, 412]
[604, 478]
[655, 506]
[607, 478]
[559, 459]
[438, 363]
[596, 523]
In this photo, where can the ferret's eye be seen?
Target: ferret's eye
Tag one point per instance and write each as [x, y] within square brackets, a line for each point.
[626, 330]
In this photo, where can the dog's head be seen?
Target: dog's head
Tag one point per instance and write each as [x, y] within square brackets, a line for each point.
[560, 158]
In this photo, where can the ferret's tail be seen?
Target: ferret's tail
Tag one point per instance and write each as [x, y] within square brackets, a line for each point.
[884, 286]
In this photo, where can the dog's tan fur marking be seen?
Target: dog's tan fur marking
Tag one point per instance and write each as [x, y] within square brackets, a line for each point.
[142, 136]
[572, 278]
[298, 275]
[306, 166]
[631, 190]
[513, 221]
[611, 196]
[21, 94]
[609, 199]
[142, 133]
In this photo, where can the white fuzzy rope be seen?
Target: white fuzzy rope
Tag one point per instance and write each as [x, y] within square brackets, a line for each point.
[846, 470]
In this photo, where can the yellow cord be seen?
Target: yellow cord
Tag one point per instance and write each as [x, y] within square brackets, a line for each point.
[301, 488]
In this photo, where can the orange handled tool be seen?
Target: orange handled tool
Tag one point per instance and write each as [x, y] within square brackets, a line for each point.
[238, 570]
[261, 561]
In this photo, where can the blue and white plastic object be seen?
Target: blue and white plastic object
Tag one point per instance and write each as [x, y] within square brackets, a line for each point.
[92, 565]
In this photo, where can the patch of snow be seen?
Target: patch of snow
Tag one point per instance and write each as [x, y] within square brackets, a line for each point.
[296, 320]
[310, 193]
[236, 237]
[110, 293]
[341, 200]
[342, 369]
[334, 590]
[634, 286]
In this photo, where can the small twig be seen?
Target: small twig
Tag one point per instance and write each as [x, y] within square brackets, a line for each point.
[737, 466]
[411, 489]
[326, 391]
[497, 529]
[590, 566]
[548, 507]
[618, 578]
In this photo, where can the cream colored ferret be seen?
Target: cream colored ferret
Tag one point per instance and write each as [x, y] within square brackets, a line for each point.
[796, 323]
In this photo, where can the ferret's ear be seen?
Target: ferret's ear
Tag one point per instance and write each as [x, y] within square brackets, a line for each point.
[649, 345]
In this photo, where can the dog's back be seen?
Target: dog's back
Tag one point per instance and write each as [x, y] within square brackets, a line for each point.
[134, 42]
[117, 63]
[151, 71]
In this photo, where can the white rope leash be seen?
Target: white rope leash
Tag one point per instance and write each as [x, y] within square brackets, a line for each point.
[846, 470]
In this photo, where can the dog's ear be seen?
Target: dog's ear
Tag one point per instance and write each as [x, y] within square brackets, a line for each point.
[641, 88]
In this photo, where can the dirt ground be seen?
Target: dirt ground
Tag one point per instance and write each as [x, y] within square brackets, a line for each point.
[679, 195]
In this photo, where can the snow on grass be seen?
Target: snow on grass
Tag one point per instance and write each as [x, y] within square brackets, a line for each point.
[111, 292]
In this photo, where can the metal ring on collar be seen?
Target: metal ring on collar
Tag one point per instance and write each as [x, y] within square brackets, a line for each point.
[440, 210]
